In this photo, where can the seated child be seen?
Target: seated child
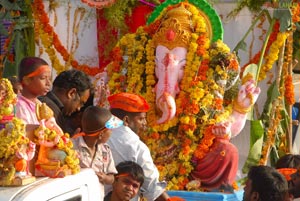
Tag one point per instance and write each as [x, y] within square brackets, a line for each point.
[35, 77]
[91, 143]
[127, 182]
[17, 87]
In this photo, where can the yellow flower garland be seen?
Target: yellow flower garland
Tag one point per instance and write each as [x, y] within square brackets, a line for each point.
[10, 99]
[188, 134]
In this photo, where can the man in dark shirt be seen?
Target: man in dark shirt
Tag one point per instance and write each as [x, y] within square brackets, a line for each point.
[71, 89]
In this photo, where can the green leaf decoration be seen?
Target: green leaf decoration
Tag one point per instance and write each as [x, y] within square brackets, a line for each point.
[256, 143]
[3, 31]
[284, 15]
[204, 6]
[272, 94]
[9, 69]
[242, 45]
[9, 6]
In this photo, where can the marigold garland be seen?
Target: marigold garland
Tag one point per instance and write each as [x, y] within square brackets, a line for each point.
[42, 18]
[272, 38]
[188, 134]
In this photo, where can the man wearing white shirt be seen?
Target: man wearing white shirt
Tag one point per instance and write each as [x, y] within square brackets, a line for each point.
[126, 145]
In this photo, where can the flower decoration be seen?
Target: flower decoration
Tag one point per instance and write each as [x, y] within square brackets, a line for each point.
[7, 100]
[176, 144]
[52, 43]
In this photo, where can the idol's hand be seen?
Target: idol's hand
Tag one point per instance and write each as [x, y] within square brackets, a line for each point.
[222, 130]
[247, 96]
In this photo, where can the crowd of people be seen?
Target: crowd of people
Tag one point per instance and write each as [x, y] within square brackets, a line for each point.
[108, 141]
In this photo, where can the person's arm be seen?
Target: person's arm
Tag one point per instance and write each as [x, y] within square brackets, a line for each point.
[105, 178]
[163, 197]
[247, 96]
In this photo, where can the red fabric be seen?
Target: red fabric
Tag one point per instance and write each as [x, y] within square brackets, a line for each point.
[138, 18]
[102, 43]
[219, 166]
[175, 198]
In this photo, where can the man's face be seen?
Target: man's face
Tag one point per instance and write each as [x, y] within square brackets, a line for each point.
[125, 188]
[248, 194]
[75, 101]
[294, 184]
[138, 123]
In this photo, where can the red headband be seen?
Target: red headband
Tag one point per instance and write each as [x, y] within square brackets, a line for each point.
[39, 71]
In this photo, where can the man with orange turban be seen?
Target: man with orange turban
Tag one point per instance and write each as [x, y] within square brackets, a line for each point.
[126, 145]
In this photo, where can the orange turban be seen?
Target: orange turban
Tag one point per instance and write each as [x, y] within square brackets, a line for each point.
[287, 172]
[128, 102]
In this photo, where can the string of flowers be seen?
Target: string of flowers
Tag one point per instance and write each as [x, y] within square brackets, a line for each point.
[256, 57]
[42, 18]
[271, 132]
[272, 54]
[289, 92]
[188, 134]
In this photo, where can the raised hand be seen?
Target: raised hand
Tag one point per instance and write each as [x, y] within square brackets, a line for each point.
[247, 96]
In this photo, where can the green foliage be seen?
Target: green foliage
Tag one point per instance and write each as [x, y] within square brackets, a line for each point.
[21, 36]
[256, 143]
[252, 5]
[117, 13]
[296, 44]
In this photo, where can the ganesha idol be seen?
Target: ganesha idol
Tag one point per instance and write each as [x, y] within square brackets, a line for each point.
[56, 158]
[197, 100]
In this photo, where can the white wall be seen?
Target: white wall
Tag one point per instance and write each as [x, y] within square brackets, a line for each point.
[87, 51]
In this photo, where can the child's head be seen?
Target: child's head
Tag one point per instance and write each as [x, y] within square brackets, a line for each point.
[128, 181]
[288, 165]
[17, 87]
[35, 76]
[289, 161]
[97, 122]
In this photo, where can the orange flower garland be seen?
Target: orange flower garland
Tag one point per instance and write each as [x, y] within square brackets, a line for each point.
[273, 36]
[188, 134]
[43, 19]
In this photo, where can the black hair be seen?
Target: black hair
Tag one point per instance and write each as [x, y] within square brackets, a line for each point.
[133, 169]
[29, 65]
[288, 161]
[73, 79]
[268, 183]
[94, 118]
[122, 113]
